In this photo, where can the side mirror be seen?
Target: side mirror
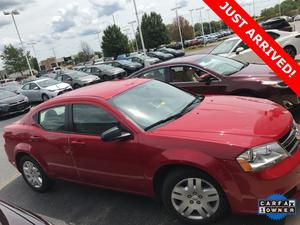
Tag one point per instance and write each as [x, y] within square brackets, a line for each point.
[36, 88]
[114, 134]
[69, 80]
[239, 50]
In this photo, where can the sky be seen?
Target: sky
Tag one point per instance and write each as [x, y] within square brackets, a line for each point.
[61, 25]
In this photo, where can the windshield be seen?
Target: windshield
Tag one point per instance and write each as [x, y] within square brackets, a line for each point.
[151, 102]
[6, 94]
[225, 47]
[125, 62]
[47, 83]
[221, 65]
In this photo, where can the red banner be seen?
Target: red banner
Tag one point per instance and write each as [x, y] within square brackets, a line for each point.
[258, 40]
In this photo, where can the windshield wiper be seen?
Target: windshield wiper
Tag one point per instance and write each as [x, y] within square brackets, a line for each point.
[186, 109]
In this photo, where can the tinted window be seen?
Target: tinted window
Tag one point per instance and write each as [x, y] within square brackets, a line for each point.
[33, 86]
[53, 119]
[273, 35]
[184, 74]
[25, 87]
[159, 74]
[89, 119]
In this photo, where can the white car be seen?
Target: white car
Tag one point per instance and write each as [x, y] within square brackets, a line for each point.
[44, 89]
[235, 48]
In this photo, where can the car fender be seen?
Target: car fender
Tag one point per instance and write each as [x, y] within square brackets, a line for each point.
[193, 158]
[27, 149]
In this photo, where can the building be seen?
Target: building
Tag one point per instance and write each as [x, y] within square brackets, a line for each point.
[50, 63]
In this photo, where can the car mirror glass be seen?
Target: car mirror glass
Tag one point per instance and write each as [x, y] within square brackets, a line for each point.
[239, 50]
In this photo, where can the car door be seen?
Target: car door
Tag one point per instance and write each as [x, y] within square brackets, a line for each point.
[116, 164]
[246, 56]
[195, 80]
[51, 141]
[67, 79]
[35, 91]
[25, 90]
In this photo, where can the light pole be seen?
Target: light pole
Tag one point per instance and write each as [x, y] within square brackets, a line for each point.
[201, 19]
[128, 34]
[54, 54]
[209, 22]
[114, 20]
[279, 7]
[13, 13]
[35, 55]
[192, 18]
[253, 8]
[179, 26]
[140, 28]
[132, 27]
[99, 39]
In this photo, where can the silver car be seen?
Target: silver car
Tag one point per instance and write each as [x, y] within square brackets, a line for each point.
[44, 89]
[77, 79]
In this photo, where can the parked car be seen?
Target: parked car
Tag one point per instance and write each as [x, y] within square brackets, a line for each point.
[235, 48]
[4, 81]
[13, 215]
[277, 23]
[11, 86]
[12, 103]
[160, 55]
[297, 18]
[50, 75]
[77, 79]
[142, 58]
[211, 74]
[43, 89]
[175, 53]
[105, 72]
[150, 138]
[28, 79]
[128, 66]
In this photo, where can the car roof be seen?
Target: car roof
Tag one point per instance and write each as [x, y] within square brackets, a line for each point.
[106, 90]
[184, 59]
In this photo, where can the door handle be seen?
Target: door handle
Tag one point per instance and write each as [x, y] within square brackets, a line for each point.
[77, 143]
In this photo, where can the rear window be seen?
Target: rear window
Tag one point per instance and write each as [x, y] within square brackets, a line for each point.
[276, 24]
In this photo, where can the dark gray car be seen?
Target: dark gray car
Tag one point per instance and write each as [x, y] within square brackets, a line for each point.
[12, 103]
[105, 72]
[77, 79]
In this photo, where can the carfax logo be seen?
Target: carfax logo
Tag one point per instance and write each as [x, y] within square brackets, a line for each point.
[277, 207]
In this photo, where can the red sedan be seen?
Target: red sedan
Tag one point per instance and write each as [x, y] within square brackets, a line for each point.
[201, 155]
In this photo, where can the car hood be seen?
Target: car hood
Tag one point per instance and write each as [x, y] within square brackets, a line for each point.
[241, 121]
[257, 72]
[58, 87]
[13, 99]
[115, 71]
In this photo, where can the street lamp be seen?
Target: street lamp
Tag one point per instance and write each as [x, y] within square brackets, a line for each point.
[192, 18]
[99, 39]
[35, 55]
[253, 9]
[132, 27]
[201, 19]
[128, 33]
[179, 26]
[209, 22]
[13, 13]
[139, 26]
[54, 54]
[279, 7]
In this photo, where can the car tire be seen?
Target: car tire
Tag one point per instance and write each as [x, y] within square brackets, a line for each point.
[291, 51]
[45, 97]
[191, 204]
[34, 175]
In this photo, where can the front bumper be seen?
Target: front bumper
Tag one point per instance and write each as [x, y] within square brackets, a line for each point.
[282, 178]
[16, 110]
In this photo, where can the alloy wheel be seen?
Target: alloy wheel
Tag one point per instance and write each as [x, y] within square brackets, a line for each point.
[32, 174]
[195, 198]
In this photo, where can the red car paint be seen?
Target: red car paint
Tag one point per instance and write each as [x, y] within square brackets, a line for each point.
[209, 138]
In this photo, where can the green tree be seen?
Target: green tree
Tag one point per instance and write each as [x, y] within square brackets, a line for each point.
[114, 42]
[34, 63]
[14, 59]
[99, 54]
[154, 30]
[186, 29]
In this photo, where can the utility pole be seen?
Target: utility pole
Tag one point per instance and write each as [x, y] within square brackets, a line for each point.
[114, 19]
[99, 39]
[139, 26]
[13, 13]
[209, 22]
[133, 31]
[179, 26]
[279, 7]
[253, 9]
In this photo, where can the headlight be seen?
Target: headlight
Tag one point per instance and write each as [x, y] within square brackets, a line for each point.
[26, 99]
[261, 157]
[276, 84]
